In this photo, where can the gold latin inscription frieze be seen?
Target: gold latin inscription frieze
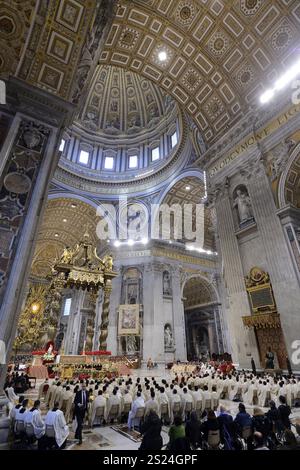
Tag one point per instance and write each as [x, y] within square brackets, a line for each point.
[254, 139]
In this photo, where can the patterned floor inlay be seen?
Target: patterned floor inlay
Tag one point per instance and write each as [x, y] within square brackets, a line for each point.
[130, 434]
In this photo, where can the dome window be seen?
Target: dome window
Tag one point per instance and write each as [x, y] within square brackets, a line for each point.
[133, 161]
[155, 154]
[62, 145]
[67, 306]
[84, 157]
[109, 163]
[174, 139]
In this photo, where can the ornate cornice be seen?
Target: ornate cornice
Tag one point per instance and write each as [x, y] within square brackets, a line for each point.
[91, 181]
[261, 321]
[38, 104]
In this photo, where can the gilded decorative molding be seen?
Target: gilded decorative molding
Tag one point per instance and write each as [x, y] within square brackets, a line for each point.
[261, 321]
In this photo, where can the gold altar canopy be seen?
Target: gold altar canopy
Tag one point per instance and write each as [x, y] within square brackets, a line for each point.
[80, 267]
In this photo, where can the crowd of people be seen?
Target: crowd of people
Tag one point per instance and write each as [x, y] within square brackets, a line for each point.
[17, 382]
[193, 406]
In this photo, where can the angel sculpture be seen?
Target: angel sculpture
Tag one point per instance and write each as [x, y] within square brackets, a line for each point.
[108, 263]
[67, 255]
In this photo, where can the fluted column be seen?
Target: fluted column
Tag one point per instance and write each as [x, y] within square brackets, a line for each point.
[148, 320]
[178, 317]
[153, 327]
[115, 299]
[242, 341]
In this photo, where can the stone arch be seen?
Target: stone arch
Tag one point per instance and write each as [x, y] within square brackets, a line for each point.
[208, 285]
[290, 181]
[188, 189]
[202, 325]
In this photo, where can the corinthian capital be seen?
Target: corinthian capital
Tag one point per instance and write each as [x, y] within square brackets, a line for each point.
[217, 191]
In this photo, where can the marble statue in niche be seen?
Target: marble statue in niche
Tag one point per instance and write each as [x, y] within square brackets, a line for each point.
[131, 345]
[242, 203]
[168, 337]
[132, 293]
[167, 290]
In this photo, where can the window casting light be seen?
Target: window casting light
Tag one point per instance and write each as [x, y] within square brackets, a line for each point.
[162, 55]
[281, 83]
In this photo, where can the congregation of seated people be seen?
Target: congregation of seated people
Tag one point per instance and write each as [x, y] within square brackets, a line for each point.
[189, 404]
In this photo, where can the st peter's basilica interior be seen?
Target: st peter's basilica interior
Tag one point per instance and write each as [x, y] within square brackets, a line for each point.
[149, 223]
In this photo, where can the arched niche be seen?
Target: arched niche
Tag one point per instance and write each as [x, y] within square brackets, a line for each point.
[202, 324]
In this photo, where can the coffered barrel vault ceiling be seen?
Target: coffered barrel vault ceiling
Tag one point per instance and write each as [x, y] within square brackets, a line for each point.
[220, 54]
[197, 291]
[64, 224]
[51, 43]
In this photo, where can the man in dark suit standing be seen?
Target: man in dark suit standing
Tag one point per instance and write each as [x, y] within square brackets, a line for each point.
[81, 404]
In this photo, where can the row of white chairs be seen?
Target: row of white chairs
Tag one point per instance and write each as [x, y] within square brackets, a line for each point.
[164, 410]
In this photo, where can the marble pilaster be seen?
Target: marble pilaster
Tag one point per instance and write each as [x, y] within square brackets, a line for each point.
[38, 123]
[115, 300]
[242, 341]
[278, 260]
[178, 316]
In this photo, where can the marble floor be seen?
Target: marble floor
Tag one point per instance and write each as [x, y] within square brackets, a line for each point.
[106, 438]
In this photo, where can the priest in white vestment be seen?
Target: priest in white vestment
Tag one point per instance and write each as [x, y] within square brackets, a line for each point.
[126, 399]
[66, 402]
[163, 399]
[151, 404]
[206, 398]
[21, 413]
[175, 399]
[99, 402]
[198, 399]
[139, 402]
[49, 393]
[14, 409]
[34, 418]
[186, 398]
[13, 398]
[55, 418]
[113, 400]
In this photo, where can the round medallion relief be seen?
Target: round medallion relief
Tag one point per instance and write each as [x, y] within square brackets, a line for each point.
[219, 44]
[185, 13]
[6, 25]
[251, 4]
[282, 39]
[17, 183]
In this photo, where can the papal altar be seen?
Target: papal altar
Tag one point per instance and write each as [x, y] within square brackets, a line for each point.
[94, 366]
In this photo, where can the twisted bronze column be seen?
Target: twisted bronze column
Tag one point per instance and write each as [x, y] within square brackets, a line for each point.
[105, 317]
